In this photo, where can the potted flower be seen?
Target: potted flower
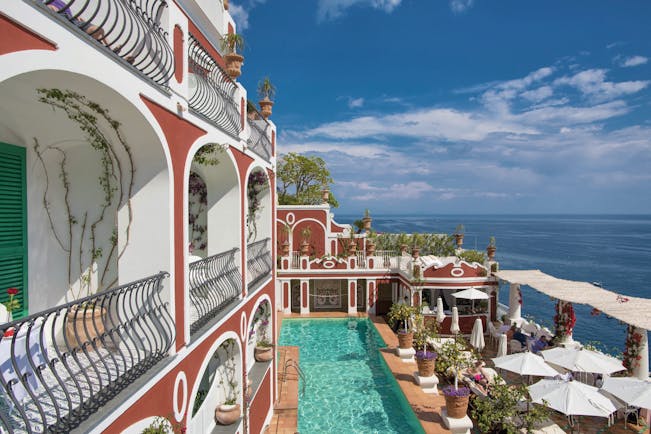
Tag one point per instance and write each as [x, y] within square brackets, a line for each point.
[12, 304]
[266, 92]
[367, 220]
[325, 194]
[306, 233]
[425, 359]
[401, 314]
[416, 241]
[229, 412]
[370, 244]
[490, 249]
[284, 246]
[458, 235]
[456, 401]
[263, 351]
[230, 43]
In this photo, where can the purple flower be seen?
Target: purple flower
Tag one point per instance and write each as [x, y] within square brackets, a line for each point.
[460, 392]
[426, 355]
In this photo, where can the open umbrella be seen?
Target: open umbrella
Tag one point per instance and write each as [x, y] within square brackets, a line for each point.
[501, 346]
[582, 360]
[632, 391]
[471, 294]
[454, 327]
[477, 335]
[440, 315]
[525, 364]
[571, 398]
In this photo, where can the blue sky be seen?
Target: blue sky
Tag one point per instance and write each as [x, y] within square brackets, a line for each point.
[462, 106]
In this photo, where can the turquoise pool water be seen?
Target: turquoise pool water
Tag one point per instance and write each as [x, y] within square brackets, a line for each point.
[349, 387]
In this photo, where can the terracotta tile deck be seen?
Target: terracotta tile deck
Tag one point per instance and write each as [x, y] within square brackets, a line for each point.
[427, 407]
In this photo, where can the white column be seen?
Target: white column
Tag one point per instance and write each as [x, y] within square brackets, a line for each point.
[515, 308]
[352, 296]
[305, 296]
[641, 370]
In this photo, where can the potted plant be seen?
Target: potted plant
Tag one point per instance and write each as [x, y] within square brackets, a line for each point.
[458, 235]
[402, 241]
[367, 220]
[456, 401]
[306, 234]
[229, 412]
[416, 242]
[325, 194]
[490, 249]
[266, 92]
[263, 351]
[425, 359]
[370, 244]
[401, 314]
[230, 43]
[284, 246]
[226, 5]
[352, 244]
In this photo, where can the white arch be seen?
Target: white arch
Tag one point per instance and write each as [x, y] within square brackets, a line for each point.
[310, 219]
[250, 347]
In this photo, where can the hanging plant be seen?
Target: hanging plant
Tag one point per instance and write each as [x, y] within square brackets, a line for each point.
[255, 188]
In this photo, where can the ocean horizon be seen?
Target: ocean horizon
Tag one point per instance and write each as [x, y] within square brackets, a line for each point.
[613, 250]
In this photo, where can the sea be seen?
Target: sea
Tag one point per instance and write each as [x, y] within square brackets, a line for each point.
[613, 251]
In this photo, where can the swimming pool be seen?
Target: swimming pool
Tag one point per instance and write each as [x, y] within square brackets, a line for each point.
[349, 387]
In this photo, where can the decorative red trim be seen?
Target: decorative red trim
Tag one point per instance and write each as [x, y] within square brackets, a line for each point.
[304, 285]
[178, 53]
[15, 37]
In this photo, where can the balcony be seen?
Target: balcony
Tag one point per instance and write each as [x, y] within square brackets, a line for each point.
[59, 366]
[259, 141]
[214, 283]
[258, 262]
[212, 92]
[130, 30]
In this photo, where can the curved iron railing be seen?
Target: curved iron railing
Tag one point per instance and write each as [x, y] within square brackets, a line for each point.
[259, 141]
[212, 92]
[258, 261]
[128, 28]
[61, 365]
[214, 282]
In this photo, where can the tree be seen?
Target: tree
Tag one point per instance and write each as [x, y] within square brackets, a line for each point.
[301, 179]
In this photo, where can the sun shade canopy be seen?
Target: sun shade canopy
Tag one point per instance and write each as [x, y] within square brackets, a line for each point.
[631, 310]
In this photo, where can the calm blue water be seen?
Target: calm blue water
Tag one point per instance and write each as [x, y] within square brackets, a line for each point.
[349, 388]
[613, 250]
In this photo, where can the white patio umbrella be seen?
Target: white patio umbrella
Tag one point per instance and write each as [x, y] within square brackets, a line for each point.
[454, 327]
[440, 315]
[525, 364]
[631, 390]
[471, 294]
[582, 360]
[477, 335]
[502, 346]
[571, 398]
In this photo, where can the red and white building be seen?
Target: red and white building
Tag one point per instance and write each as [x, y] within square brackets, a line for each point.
[122, 142]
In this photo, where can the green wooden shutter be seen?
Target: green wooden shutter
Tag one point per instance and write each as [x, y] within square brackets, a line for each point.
[13, 225]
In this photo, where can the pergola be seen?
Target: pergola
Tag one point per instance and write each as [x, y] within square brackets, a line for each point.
[635, 311]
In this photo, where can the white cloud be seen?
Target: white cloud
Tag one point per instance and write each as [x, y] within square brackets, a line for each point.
[592, 83]
[332, 9]
[240, 15]
[355, 102]
[539, 94]
[633, 61]
[459, 6]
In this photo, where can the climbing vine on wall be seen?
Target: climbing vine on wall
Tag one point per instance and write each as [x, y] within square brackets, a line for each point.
[255, 188]
[198, 198]
[79, 232]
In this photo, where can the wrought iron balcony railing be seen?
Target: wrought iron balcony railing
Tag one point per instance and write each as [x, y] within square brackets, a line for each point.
[61, 365]
[258, 261]
[259, 141]
[214, 282]
[212, 92]
[130, 29]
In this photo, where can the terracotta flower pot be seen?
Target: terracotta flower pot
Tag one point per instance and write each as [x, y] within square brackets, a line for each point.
[285, 248]
[458, 238]
[85, 325]
[457, 406]
[367, 222]
[490, 251]
[415, 252]
[263, 354]
[352, 248]
[325, 195]
[425, 367]
[226, 414]
[233, 64]
[305, 248]
[266, 106]
[226, 5]
[370, 249]
[405, 340]
[403, 248]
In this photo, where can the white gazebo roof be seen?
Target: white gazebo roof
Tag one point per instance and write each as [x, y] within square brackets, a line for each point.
[631, 310]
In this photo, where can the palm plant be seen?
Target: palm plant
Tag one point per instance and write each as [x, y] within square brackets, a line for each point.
[232, 42]
[266, 89]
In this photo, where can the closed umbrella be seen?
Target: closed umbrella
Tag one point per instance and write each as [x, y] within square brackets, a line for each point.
[440, 315]
[582, 360]
[571, 398]
[525, 364]
[501, 346]
[632, 391]
[477, 335]
[454, 327]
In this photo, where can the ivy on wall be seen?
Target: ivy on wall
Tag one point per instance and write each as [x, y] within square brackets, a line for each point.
[255, 189]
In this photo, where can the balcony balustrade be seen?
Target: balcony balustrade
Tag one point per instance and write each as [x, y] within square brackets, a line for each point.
[258, 261]
[59, 366]
[259, 140]
[214, 282]
[212, 92]
[130, 29]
